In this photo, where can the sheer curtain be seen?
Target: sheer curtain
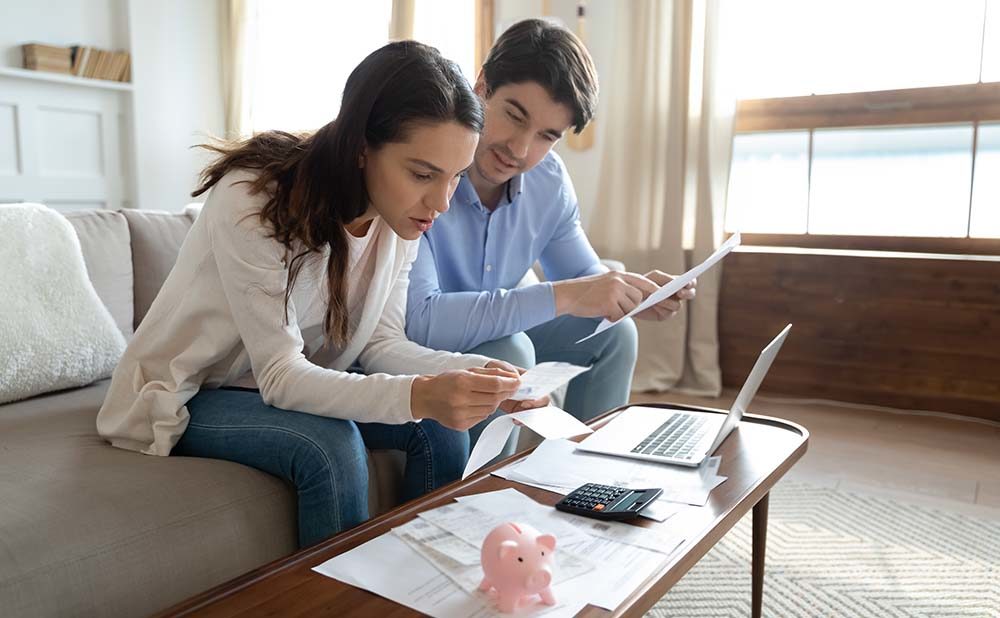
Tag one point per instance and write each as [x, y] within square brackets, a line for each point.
[238, 21]
[664, 175]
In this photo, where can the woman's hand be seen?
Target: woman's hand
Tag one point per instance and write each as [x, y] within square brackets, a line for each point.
[460, 399]
[513, 405]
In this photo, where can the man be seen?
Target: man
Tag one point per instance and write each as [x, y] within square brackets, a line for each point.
[515, 205]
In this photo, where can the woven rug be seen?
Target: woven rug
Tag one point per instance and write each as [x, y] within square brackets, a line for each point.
[837, 553]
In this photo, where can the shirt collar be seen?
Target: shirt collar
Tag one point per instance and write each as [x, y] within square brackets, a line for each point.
[466, 194]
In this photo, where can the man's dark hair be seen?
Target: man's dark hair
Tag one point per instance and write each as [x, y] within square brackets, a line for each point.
[539, 51]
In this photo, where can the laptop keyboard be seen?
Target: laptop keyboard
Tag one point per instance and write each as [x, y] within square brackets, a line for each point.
[675, 438]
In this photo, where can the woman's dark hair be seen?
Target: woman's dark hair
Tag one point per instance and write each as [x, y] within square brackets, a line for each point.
[534, 50]
[313, 181]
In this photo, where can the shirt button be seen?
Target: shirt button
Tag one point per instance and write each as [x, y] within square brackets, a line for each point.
[489, 267]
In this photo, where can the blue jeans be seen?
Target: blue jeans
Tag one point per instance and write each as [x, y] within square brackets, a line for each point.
[324, 458]
[612, 355]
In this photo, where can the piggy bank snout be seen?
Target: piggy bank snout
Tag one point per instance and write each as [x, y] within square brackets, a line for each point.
[541, 578]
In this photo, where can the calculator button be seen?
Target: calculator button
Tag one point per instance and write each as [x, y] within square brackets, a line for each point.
[598, 507]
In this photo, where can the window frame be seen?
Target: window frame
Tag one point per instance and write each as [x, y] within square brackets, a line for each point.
[934, 106]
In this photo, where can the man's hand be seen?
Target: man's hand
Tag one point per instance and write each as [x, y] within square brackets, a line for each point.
[513, 405]
[609, 295]
[669, 307]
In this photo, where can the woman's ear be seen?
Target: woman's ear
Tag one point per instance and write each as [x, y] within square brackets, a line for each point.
[363, 158]
[480, 87]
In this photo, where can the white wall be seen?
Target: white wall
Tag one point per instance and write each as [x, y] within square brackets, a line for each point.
[178, 98]
[584, 167]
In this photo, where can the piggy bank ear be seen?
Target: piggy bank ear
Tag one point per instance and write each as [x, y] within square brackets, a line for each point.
[548, 541]
[507, 548]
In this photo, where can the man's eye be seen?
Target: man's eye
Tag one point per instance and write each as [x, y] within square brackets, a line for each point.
[516, 119]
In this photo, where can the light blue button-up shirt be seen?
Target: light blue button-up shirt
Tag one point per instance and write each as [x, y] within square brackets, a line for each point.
[462, 287]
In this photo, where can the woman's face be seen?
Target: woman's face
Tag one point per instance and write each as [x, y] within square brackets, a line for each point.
[410, 183]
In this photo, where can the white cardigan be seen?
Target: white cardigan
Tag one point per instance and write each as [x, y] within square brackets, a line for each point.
[221, 313]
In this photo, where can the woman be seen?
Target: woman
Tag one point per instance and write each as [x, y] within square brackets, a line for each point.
[295, 270]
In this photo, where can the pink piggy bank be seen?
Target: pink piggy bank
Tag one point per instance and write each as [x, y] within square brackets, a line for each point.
[518, 563]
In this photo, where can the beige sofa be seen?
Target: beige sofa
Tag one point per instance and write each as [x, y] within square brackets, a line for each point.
[90, 530]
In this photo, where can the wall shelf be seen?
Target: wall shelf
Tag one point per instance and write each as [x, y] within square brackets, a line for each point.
[61, 78]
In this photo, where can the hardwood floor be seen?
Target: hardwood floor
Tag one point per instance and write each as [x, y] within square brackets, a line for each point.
[947, 461]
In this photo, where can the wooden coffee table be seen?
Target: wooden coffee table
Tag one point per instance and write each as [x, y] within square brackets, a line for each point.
[754, 458]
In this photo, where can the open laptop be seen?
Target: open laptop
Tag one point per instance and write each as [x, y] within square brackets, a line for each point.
[678, 436]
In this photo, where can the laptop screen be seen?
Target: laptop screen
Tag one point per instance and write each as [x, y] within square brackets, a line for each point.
[750, 387]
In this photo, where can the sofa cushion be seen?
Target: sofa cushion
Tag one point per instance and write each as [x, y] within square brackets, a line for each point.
[156, 241]
[90, 530]
[55, 332]
[107, 252]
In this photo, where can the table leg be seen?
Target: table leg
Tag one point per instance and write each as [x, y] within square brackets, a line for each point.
[759, 542]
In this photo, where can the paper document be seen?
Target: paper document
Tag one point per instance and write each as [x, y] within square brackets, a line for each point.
[375, 566]
[544, 378]
[428, 589]
[674, 286]
[420, 532]
[467, 576]
[548, 422]
[559, 464]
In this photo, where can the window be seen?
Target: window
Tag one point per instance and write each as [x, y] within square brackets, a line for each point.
[866, 119]
[769, 182]
[985, 218]
[450, 26]
[303, 52]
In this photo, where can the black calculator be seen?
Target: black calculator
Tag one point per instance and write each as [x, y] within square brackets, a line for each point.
[607, 502]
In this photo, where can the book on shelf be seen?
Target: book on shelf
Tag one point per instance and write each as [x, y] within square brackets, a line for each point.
[39, 57]
[79, 60]
[81, 54]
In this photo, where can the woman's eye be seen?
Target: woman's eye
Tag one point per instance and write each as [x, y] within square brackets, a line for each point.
[516, 119]
[421, 177]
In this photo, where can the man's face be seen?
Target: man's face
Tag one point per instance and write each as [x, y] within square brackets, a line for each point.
[523, 123]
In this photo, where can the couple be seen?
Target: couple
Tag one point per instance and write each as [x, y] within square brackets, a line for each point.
[352, 288]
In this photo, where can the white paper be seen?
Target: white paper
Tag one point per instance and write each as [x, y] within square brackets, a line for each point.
[511, 505]
[658, 510]
[468, 576]
[558, 463]
[544, 378]
[548, 422]
[472, 520]
[626, 567]
[673, 286]
[421, 532]
[375, 566]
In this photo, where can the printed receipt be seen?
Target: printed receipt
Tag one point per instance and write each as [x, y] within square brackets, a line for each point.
[548, 422]
[544, 378]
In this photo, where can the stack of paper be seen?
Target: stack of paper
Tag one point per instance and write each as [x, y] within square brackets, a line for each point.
[460, 561]
[441, 552]
[556, 465]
